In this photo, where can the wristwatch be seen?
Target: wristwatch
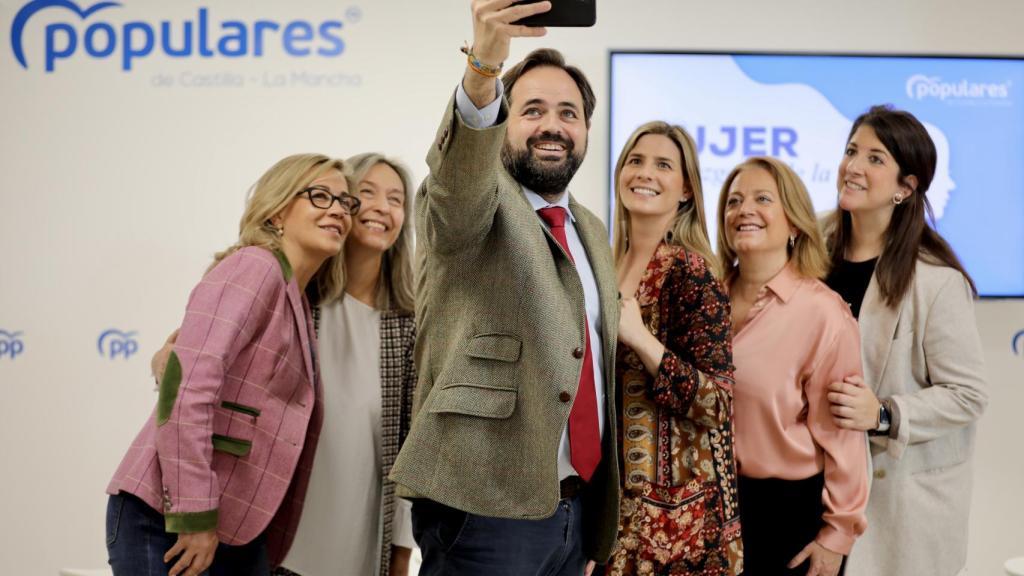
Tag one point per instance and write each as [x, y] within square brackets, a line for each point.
[884, 420]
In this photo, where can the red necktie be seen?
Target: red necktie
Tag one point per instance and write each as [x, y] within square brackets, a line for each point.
[584, 431]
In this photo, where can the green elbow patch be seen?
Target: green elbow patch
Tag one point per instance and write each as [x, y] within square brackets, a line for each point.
[190, 522]
[168, 390]
[229, 445]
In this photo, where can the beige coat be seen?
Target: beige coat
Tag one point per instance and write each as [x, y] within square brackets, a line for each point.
[500, 314]
[926, 355]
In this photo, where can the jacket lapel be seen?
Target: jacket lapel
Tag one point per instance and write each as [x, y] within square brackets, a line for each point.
[595, 242]
[390, 359]
[299, 313]
[877, 327]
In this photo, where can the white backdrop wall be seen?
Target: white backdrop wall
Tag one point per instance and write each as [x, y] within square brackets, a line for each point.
[116, 186]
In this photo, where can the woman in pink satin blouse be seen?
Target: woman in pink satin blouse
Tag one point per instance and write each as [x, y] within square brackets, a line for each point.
[803, 481]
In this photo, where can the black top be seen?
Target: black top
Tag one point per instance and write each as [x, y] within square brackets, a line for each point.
[850, 280]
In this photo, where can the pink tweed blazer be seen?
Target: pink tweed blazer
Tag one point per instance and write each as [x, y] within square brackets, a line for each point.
[231, 442]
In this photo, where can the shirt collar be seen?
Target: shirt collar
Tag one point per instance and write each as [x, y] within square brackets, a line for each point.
[537, 202]
[785, 283]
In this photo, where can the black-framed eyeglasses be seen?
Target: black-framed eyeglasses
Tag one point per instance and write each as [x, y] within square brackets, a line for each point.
[322, 198]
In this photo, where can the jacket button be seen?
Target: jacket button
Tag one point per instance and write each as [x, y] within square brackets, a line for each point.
[577, 353]
[880, 474]
[564, 396]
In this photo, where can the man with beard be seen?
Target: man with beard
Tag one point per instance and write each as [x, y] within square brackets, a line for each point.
[511, 460]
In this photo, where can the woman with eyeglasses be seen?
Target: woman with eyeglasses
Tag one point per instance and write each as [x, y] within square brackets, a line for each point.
[353, 523]
[216, 478]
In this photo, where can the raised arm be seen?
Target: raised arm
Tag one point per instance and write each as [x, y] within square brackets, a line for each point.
[456, 204]
[696, 372]
[493, 30]
[692, 370]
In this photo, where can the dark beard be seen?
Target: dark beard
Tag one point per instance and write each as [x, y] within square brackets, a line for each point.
[537, 175]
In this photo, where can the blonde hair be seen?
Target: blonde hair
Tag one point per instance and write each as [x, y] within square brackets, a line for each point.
[688, 227]
[808, 253]
[275, 189]
[396, 285]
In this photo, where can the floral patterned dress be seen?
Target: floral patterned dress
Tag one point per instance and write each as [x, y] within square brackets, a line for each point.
[679, 512]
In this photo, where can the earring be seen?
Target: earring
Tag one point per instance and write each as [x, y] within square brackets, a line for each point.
[274, 228]
[792, 241]
[897, 199]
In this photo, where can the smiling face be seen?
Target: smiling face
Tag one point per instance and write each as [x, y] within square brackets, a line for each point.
[382, 213]
[547, 134]
[868, 176]
[651, 181]
[755, 220]
[310, 232]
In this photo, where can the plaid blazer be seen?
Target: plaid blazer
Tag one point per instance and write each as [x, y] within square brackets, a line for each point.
[397, 384]
[231, 442]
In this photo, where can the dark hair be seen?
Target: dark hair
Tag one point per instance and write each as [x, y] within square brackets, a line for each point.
[909, 235]
[553, 58]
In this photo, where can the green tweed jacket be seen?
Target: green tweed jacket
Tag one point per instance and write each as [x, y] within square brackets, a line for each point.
[500, 311]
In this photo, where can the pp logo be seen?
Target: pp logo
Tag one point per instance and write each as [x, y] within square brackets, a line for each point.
[113, 343]
[11, 344]
[1016, 344]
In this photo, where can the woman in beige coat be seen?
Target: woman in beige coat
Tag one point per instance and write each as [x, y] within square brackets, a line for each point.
[923, 387]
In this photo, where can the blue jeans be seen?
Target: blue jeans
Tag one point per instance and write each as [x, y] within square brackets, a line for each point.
[137, 542]
[456, 543]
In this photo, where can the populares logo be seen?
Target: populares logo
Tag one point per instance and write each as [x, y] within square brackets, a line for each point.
[921, 87]
[200, 37]
[1016, 343]
[113, 343]
[11, 344]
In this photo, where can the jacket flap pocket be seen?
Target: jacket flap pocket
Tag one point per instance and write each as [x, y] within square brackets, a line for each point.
[235, 446]
[939, 454]
[236, 407]
[474, 400]
[503, 347]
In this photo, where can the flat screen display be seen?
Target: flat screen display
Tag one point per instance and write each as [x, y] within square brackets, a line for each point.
[799, 108]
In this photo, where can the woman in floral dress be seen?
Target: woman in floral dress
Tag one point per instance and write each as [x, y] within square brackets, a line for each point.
[679, 512]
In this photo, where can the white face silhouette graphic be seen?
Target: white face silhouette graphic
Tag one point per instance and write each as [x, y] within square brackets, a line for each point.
[938, 193]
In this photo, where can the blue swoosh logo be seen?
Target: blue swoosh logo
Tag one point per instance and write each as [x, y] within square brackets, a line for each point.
[9, 335]
[26, 12]
[1016, 341]
[112, 332]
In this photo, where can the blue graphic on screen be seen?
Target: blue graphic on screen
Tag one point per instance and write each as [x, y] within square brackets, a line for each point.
[799, 108]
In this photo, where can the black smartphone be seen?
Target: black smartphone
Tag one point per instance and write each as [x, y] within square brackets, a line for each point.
[563, 13]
